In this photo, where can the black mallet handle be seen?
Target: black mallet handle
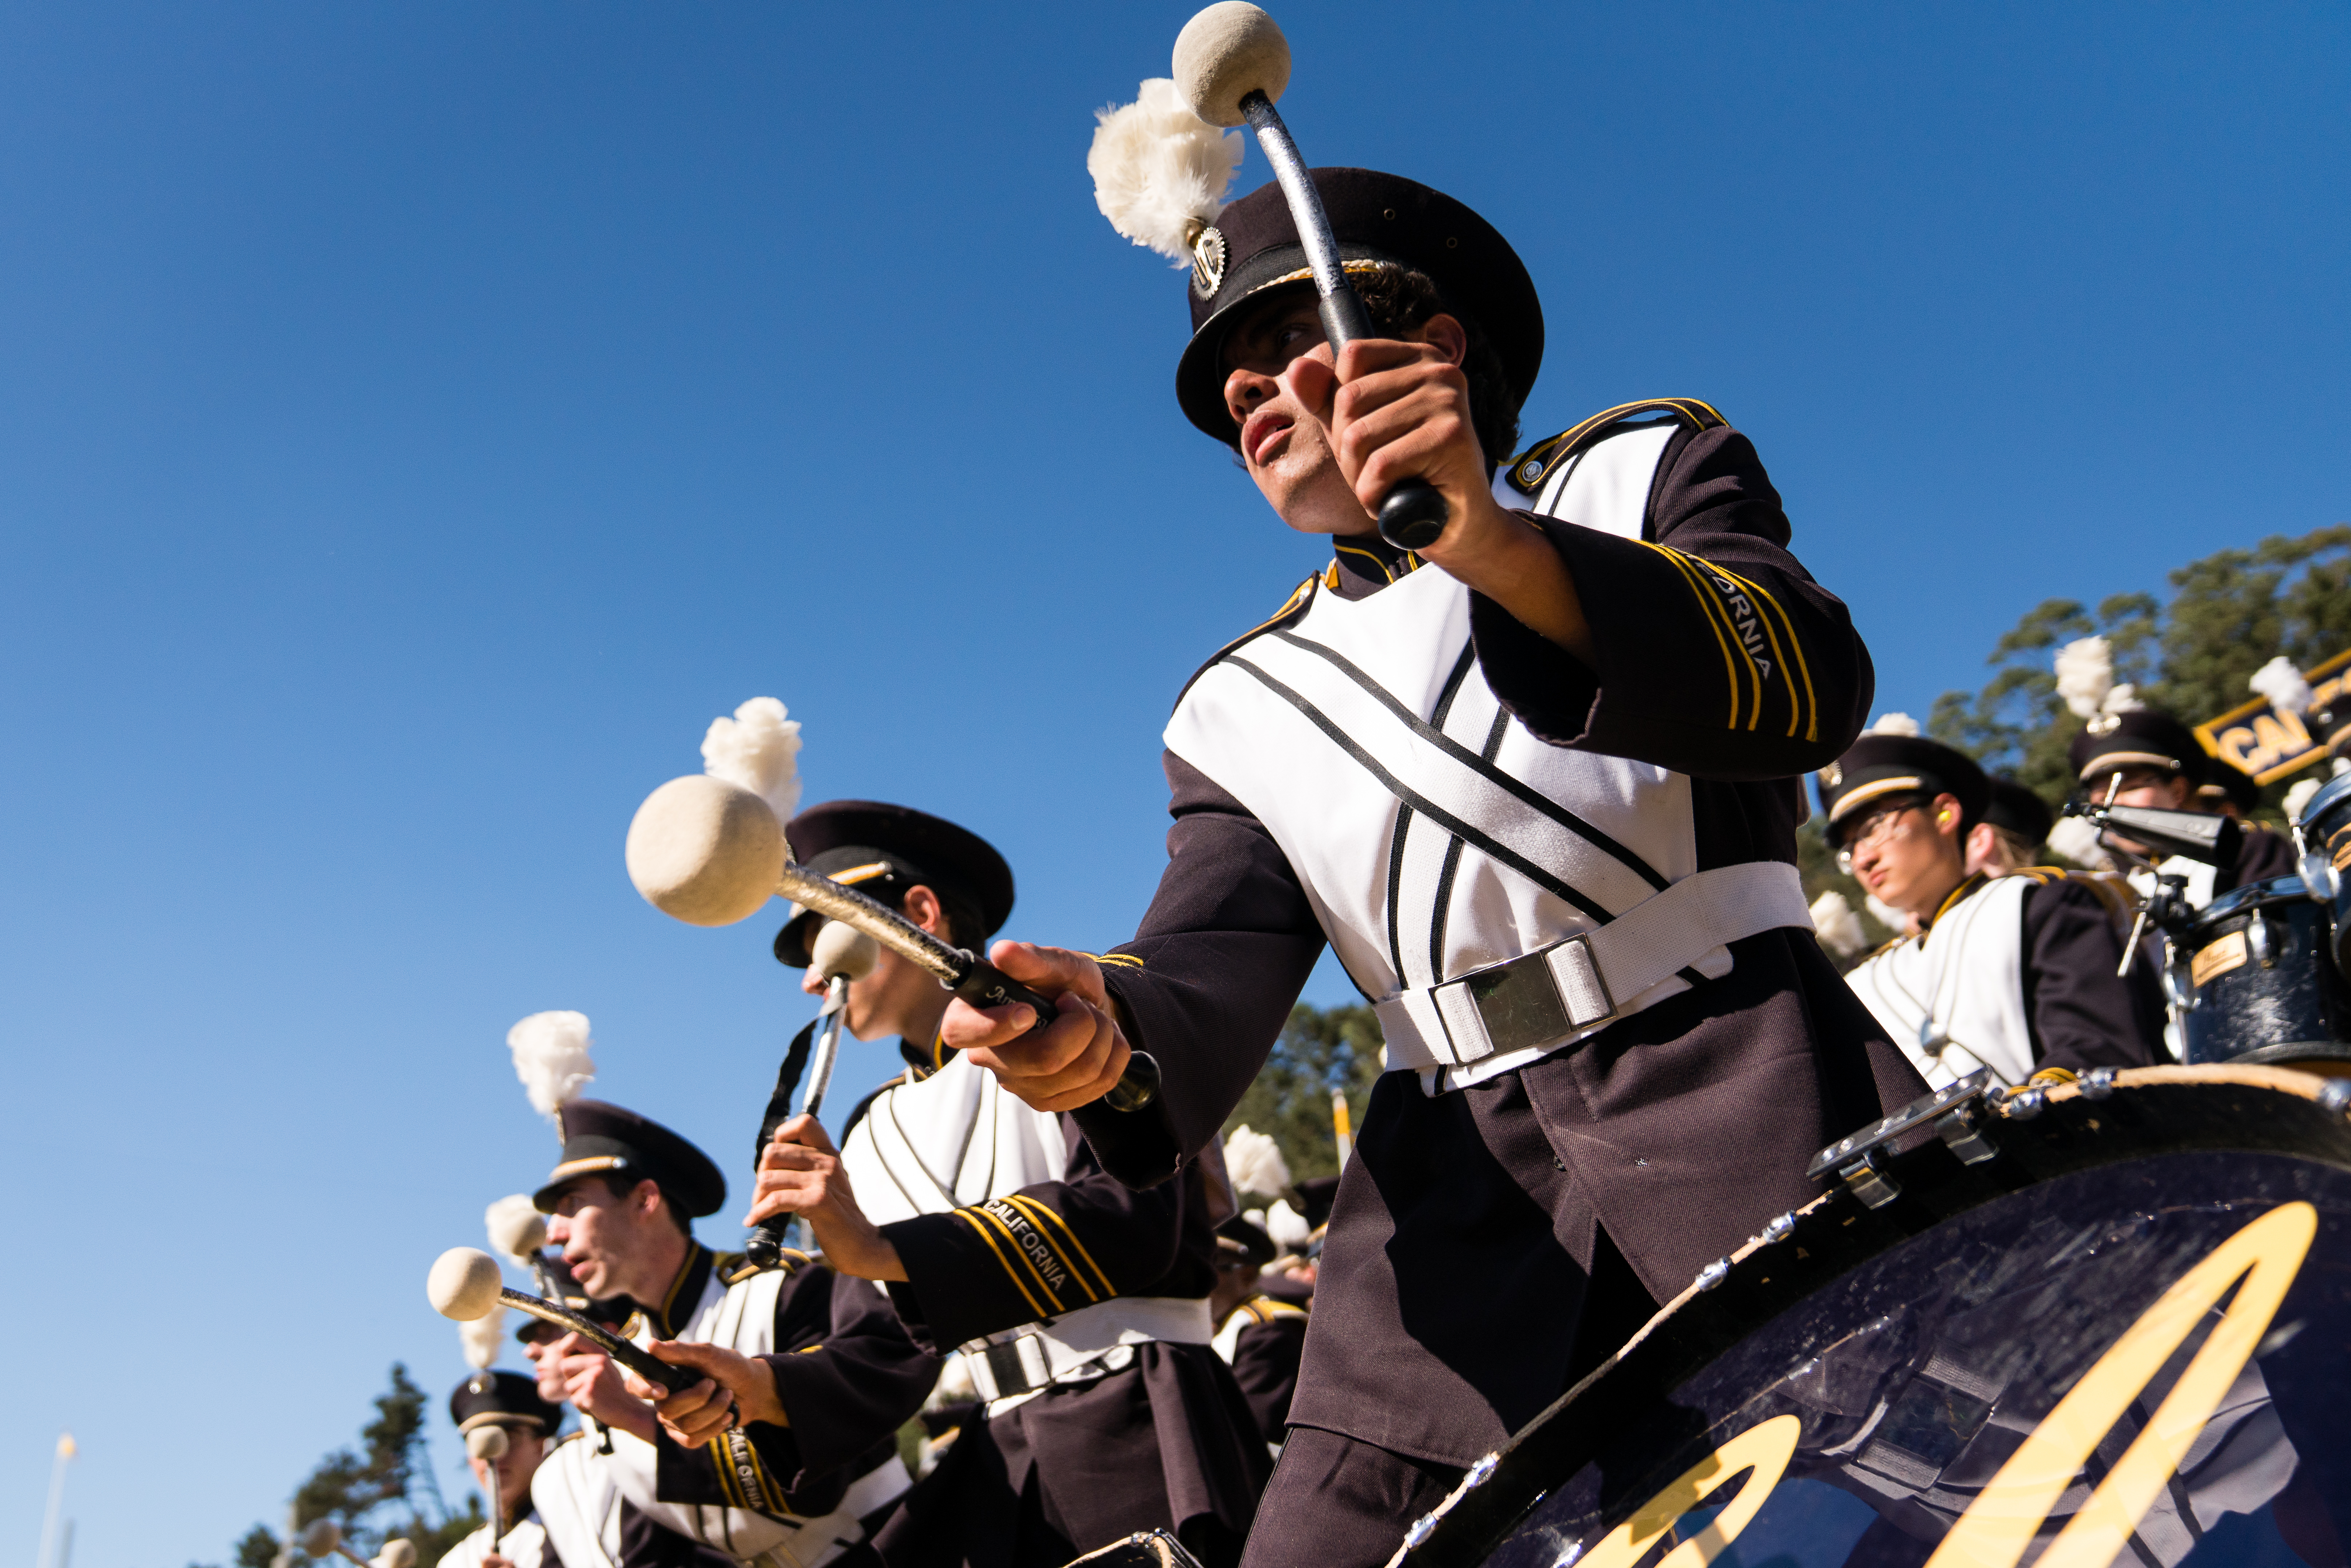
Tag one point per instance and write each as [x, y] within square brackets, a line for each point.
[1414, 514]
[986, 986]
[652, 1368]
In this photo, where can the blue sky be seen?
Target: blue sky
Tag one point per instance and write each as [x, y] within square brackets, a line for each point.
[418, 422]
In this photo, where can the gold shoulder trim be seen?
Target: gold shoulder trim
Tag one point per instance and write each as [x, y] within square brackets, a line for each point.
[1529, 469]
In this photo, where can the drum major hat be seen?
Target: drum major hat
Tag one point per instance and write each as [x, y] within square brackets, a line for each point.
[2137, 738]
[1251, 252]
[502, 1399]
[2018, 809]
[1882, 765]
[881, 851]
[599, 1138]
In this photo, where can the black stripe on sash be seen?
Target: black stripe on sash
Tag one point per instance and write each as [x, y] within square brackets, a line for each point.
[1453, 684]
[1427, 808]
[1471, 760]
[1444, 911]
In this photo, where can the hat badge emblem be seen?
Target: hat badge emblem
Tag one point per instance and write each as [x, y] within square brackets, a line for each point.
[1833, 776]
[2104, 724]
[1209, 256]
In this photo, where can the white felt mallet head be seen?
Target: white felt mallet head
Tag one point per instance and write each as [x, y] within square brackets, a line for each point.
[398, 1553]
[1224, 54]
[321, 1537]
[463, 1285]
[841, 949]
[516, 1226]
[487, 1443]
[705, 851]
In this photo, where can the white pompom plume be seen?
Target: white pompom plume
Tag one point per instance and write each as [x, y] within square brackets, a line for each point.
[1160, 171]
[1255, 1163]
[2299, 796]
[758, 749]
[1886, 913]
[550, 1056]
[2284, 685]
[2086, 674]
[1839, 927]
[1893, 724]
[464, 1283]
[516, 1227]
[398, 1553]
[481, 1337]
[1287, 1227]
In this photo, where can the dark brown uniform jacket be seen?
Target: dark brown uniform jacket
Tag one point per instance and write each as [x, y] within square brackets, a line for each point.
[1676, 1132]
[1167, 1442]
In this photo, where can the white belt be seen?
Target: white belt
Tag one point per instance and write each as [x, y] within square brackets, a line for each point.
[1027, 1359]
[1576, 986]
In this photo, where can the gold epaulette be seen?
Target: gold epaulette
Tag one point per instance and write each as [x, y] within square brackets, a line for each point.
[1527, 471]
[1266, 1309]
[733, 1268]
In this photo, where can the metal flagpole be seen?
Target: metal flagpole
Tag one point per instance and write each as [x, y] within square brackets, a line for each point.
[57, 1500]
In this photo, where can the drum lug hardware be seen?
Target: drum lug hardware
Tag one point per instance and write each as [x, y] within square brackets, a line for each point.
[2257, 939]
[2098, 1083]
[2335, 1098]
[1964, 1138]
[2023, 1104]
[1422, 1529]
[1782, 1227]
[1480, 1471]
[1713, 1274]
[1869, 1181]
[1858, 1159]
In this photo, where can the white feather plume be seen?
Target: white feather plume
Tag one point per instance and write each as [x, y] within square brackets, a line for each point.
[1893, 724]
[2299, 796]
[2284, 685]
[550, 1056]
[1287, 1227]
[2086, 674]
[1159, 169]
[1885, 914]
[2078, 841]
[758, 749]
[1255, 1163]
[483, 1337]
[1838, 926]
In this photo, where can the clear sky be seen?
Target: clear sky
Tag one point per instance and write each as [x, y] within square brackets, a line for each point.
[418, 420]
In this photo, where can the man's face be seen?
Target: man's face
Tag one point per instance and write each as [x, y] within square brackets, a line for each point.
[897, 996]
[1902, 855]
[525, 1449]
[1284, 442]
[2156, 787]
[550, 1381]
[602, 1236]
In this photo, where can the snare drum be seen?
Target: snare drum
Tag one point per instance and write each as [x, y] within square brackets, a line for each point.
[2106, 1323]
[2256, 979]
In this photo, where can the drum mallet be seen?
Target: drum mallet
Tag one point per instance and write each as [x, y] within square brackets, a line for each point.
[323, 1537]
[464, 1284]
[1231, 64]
[488, 1444]
[842, 954]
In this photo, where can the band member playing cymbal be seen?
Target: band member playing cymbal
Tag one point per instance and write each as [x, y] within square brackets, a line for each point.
[1536, 784]
[1081, 1305]
[2140, 757]
[2013, 972]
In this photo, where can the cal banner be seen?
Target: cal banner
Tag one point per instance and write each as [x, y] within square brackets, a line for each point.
[2266, 741]
[2112, 1329]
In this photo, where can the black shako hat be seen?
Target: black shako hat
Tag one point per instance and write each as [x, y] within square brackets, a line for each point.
[2227, 781]
[1380, 221]
[598, 1138]
[2019, 811]
[881, 851]
[1238, 1240]
[2139, 737]
[1882, 765]
[502, 1399]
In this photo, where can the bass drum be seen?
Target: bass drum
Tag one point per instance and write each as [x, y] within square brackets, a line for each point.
[2110, 1323]
[2261, 981]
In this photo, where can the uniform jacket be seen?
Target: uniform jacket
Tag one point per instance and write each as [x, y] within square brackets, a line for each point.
[1261, 1340]
[1677, 1130]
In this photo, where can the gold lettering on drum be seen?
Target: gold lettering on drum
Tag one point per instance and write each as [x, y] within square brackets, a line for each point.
[2217, 958]
[1761, 1452]
[2002, 1522]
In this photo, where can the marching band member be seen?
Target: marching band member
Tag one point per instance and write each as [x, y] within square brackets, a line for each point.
[2143, 757]
[512, 1402]
[1262, 1337]
[2013, 972]
[789, 1449]
[2008, 837]
[1081, 1305]
[1535, 785]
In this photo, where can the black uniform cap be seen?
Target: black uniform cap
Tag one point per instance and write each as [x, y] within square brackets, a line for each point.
[2141, 738]
[1380, 220]
[881, 851]
[1315, 1197]
[1238, 1238]
[1882, 765]
[599, 1138]
[2019, 811]
[502, 1399]
[2231, 783]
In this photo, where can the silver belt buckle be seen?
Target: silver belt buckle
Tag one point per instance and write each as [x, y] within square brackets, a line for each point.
[1009, 1369]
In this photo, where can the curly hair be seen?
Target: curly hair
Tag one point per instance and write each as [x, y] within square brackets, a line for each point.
[1400, 300]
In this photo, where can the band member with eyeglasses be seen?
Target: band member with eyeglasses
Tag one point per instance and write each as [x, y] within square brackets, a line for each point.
[2012, 972]
[2143, 757]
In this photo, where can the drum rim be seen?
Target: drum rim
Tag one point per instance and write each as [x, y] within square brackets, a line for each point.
[2288, 889]
[2073, 1133]
[2331, 791]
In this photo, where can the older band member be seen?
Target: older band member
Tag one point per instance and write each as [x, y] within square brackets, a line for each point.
[513, 1403]
[791, 1441]
[2143, 757]
[1535, 785]
[2014, 973]
[1082, 1305]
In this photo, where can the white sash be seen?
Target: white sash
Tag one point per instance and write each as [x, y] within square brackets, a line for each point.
[1955, 1002]
[579, 1504]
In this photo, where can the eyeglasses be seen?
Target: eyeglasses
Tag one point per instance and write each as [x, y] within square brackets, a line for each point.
[1873, 830]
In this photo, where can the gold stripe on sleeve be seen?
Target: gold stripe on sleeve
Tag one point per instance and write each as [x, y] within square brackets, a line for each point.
[1804, 670]
[1712, 611]
[1031, 1208]
[1018, 1283]
[1763, 600]
[985, 1216]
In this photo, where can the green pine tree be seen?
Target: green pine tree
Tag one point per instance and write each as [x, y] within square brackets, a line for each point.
[1319, 1051]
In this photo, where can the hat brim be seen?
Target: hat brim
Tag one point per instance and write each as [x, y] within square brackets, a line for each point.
[1201, 370]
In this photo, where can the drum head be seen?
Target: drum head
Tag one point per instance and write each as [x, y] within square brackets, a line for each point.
[2123, 1338]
